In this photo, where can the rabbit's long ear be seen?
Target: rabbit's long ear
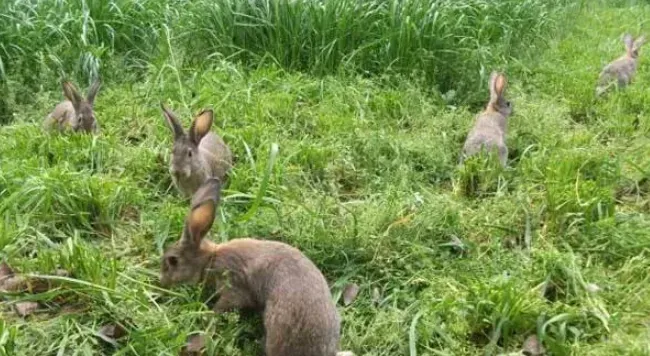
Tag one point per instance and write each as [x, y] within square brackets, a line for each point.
[638, 43]
[71, 93]
[173, 122]
[92, 92]
[629, 42]
[201, 216]
[497, 86]
[201, 126]
[500, 85]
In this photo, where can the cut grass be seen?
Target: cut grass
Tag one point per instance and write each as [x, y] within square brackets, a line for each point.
[365, 182]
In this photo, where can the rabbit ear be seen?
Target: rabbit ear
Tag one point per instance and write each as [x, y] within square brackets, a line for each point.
[92, 92]
[638, 42]
[629, 42]
[201, 126]
[500, 85]
[173, 122]
[497, 86]
[72, 94]
[201, 217]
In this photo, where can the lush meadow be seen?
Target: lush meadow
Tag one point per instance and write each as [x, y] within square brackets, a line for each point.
[346, 119]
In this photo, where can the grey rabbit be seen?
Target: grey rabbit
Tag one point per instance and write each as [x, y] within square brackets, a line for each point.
[621, 71]
[490, 128]
[299, 315]
[75, 113]
[198, 154]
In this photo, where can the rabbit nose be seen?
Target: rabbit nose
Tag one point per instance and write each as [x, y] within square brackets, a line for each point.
[164, 282]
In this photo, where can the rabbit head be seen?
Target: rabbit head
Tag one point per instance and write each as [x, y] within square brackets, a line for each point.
[185, 261]
[632, 46]
[498, 102]
[185, 156]
[83, 107]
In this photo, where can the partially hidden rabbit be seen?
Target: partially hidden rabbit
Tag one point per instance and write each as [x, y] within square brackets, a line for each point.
[299, 315]
[490, 129]
[198, 154]
[75, 113]
[621, 71]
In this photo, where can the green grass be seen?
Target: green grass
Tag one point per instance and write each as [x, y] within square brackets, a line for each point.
[365, 180]
[446, 44]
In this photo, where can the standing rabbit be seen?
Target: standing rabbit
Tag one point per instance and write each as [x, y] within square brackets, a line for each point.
[489, 131]
[621, 71]
[76, 113]
[299, 315]
[197, 155]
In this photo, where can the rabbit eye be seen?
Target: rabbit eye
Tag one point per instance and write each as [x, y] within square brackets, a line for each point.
[172, 261]
[189, 153]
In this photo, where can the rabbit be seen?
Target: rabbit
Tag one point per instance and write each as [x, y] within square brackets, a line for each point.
[197, 155]
[300, 317]
[75, 113]
[490, 128]
[621, 71]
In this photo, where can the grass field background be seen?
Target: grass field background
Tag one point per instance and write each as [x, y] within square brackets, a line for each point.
[369, 103]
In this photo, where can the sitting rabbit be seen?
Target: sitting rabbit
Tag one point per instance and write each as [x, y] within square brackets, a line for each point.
[621, 71]
[490, 128]
[76, 113]
[198, 154]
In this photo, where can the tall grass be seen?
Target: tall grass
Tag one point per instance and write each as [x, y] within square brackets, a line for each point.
[41, 39]
[448, 44]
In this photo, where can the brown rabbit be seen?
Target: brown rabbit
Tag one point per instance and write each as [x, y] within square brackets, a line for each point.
[300, 317]
[198, 154]
[621, 71]
[489, 131]
[76, 113]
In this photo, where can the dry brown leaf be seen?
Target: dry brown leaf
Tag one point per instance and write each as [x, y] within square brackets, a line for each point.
[532, 347]
[25, 308]
[18, 284]
[13, 284]
[350, 293]
[5, 272]
[111, 332]
[195, 345]
[39, 285]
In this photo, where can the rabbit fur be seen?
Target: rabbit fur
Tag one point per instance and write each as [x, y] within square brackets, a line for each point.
[198, 154]
[76, 113]
[299, 315]
[620, 72]
[490, 128]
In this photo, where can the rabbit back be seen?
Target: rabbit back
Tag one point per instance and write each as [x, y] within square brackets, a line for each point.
[300, 300]
[621, 72]
[61, 118]
[299, 315]
[216, 155]
[487, 134]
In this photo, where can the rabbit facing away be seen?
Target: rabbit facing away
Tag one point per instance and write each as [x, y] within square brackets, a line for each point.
[490, 128]
[621, 71]
[75, 113]
[198, 154]
[299, 315]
